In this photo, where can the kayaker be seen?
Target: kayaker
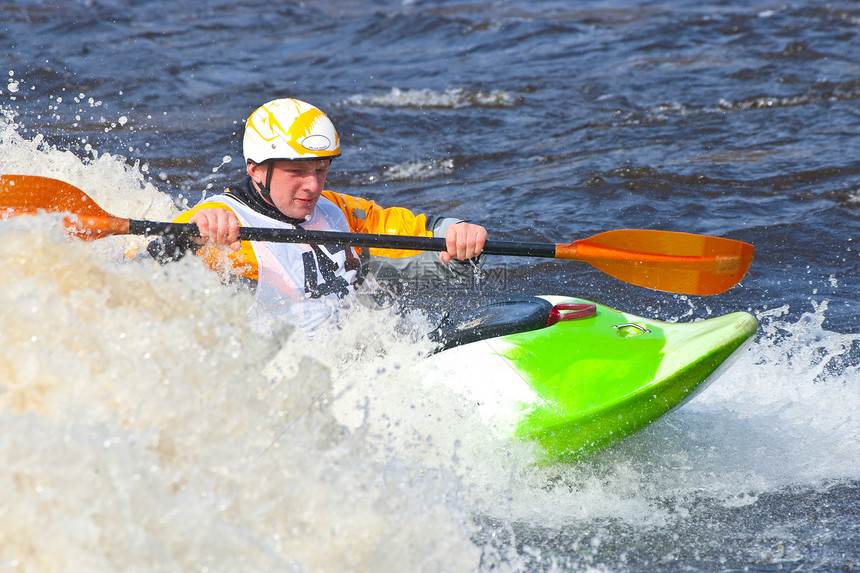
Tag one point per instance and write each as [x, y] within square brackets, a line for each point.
[288, 147]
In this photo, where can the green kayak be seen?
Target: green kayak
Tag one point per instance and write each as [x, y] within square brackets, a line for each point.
[594, 376]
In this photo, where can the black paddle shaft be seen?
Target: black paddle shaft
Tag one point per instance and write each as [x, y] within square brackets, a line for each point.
[331, 238]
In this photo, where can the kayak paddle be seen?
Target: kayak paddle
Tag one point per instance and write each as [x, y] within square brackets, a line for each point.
[669, 261]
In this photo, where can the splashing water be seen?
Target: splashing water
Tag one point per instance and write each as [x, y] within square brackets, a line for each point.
[145, 425]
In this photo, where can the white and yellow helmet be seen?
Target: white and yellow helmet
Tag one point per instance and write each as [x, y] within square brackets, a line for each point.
[289, 129]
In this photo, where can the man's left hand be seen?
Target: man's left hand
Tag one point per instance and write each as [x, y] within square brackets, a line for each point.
[464, 241]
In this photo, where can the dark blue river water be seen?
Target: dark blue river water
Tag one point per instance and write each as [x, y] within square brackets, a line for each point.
[136, 405]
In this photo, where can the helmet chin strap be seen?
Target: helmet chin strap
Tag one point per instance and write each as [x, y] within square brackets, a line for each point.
[265, 191]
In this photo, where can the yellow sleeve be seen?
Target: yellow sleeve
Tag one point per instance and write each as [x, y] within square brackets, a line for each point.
[367, 217]
[242, 262]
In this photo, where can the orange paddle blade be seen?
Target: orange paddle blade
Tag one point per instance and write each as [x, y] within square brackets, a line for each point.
[665, 260]
[31, 194]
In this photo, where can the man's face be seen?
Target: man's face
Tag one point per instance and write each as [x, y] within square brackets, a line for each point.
[295, 186]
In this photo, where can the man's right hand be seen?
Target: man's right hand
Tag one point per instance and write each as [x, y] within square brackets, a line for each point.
[217, 226]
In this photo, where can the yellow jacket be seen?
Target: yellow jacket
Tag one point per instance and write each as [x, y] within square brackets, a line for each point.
[363, 216]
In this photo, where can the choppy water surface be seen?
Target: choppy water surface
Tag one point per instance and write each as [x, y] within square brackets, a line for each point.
[145, 427]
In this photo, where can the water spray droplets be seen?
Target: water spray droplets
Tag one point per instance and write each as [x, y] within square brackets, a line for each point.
[224, 161]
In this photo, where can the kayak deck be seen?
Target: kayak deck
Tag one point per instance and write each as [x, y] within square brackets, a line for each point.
[580, 385]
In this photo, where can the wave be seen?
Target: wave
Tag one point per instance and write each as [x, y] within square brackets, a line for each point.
[145, 425]
[451, 98]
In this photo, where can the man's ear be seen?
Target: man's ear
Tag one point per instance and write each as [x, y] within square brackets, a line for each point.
[257, 172]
